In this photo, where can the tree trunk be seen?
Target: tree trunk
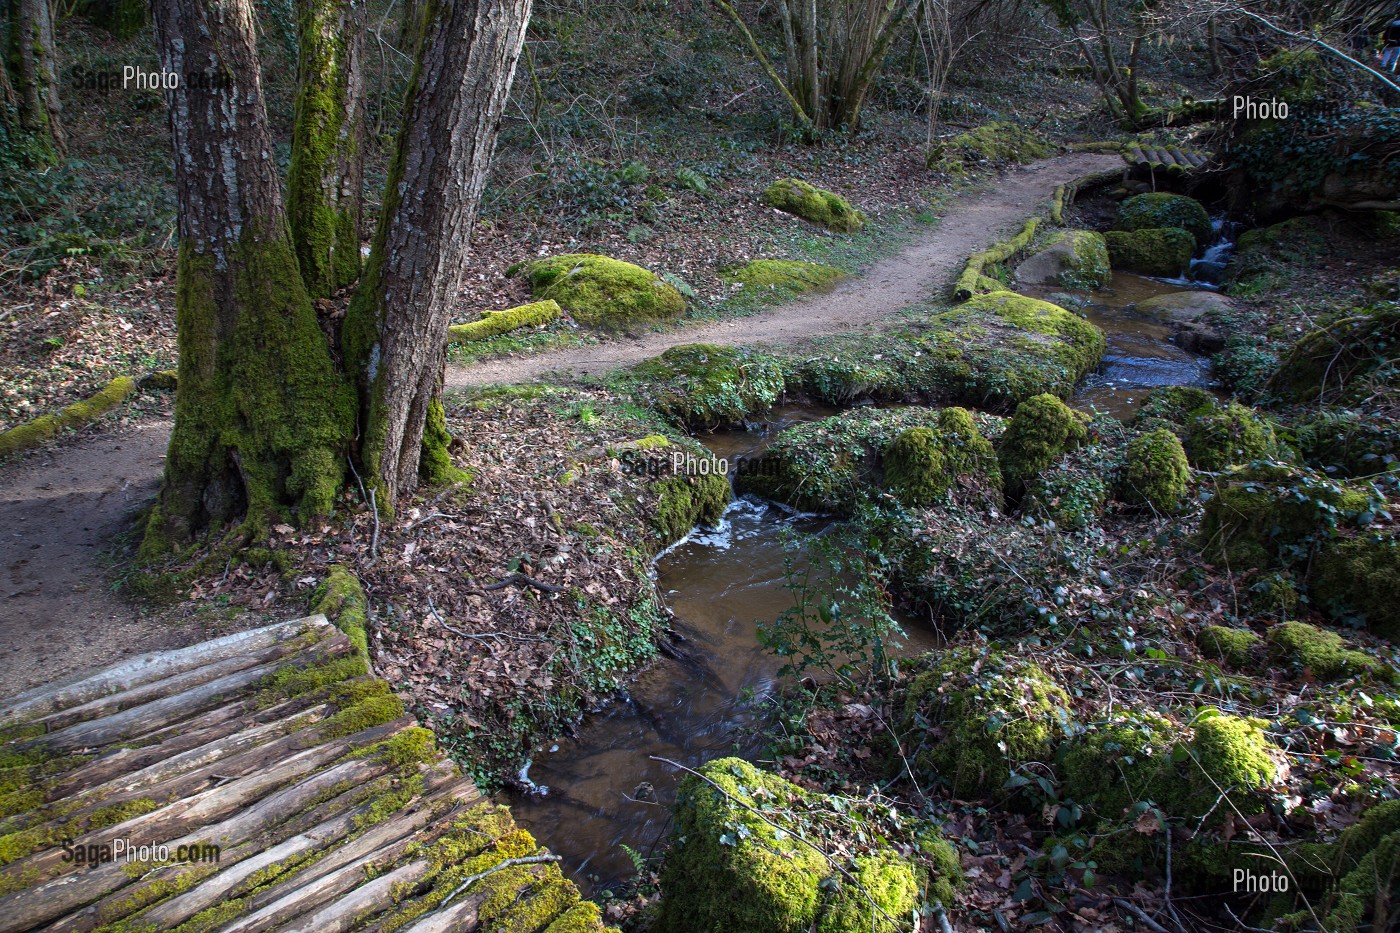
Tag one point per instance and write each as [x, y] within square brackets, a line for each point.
[33, 75]
[395, 335]
[262, 419]
[326, 177]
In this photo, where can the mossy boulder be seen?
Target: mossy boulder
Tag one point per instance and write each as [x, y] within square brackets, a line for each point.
[1274, 515]
[1361, 576]
[690, 499]
[1318, 652]
[1071, 258]
[1074, 491]
[1229, 435]
[784, 277]
[1040, 431]
[1345, 361]
[1365, 863]
[830, 465]
[1156, 473]
[602, 292]
[997, 142]
[922, 464]
[1157, 210]
[701, 386]
[1173, 406]
[731, 870]
[1164, 252]
[975, 714]
[1348, 443]
[1236, 646]
[824, 208]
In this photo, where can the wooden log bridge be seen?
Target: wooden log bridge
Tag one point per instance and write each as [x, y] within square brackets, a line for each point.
[260, 781]
[1171, 158]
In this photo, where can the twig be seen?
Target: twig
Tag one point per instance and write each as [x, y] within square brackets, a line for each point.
[941, 915]
[374, 541]
[1138, 912]
[520, 578]
[508, 863]
[427, 518]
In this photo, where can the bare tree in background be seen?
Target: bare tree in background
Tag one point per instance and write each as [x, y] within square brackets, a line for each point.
[941, 37]
[832, 53]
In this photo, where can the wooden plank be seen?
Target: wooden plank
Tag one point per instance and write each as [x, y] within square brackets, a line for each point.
[145, 668]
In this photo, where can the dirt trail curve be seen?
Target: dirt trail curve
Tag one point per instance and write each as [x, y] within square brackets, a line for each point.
[923, 268]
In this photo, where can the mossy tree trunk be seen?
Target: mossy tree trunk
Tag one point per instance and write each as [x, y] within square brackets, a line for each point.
[326, 177]
[395, 334]
[262, 419]
[32, 74]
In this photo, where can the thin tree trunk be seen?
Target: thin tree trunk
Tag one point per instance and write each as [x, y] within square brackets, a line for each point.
[326, 175]
[395, 335]
[33, 76]
[262, 419]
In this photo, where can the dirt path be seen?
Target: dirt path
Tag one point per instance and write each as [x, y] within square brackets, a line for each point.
[923, 268]
[58, 510]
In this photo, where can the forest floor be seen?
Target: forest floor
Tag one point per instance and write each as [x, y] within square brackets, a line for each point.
[924, 267]
[64, 505]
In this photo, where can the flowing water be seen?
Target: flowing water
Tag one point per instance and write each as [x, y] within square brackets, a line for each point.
[708, 695]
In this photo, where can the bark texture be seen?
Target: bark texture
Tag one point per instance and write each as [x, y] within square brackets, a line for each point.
[262, 418]
[326, 178]
[395, 334]
[33, 79]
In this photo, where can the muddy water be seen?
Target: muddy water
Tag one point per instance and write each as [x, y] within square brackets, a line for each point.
[708, 698]
[1140, 355]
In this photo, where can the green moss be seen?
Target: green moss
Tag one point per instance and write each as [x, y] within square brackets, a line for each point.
[1342, 361]
[493, 323]
[1040, 431]
[1273, 515]
[1321, 653]
[604, 293]
[992, 142]
[731, 872]
[1234, 645]
[1348, 443]
[1156, 473]
[703, 386]
[435, 466]
[414, 745]
[784, 277]
[76, 415]
[823, 208]
[976, 277]
[1229, 436]
[921, 464]
[688, 500]
[1157, 210]
[1174, 406]
[1122, 762]
[1079, 258]
[1361, 575]
[341, 599]
[1231, 753]
[1072, 341]
[369, 712]
[1162, 252]
[294, 680]
[583, 917]
[976, 714]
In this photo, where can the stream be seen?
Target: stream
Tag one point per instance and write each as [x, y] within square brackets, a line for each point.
[601, 790]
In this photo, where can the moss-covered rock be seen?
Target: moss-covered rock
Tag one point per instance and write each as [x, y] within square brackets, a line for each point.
[1226, 436]
[1073, 491]
[1361, 575]
[1317, 651]
[1158, 210]
[690, 498]
[1156, 473]
[997, 142]
[1236, 646]
[493, 323]
[1173, 406]
[1365, 860]
[702, 386]
[1348, 443]
[922, 464]
[977, 713]
[602, 292]
[1344, 361]
[1071, 258]
[732, 871]
[829, 465]
[784, 277]
[1164, 252]
[1270, 514]
[824, 208]
[1041, 429]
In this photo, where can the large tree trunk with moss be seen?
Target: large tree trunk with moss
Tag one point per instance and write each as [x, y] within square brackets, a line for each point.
[325, 181]
[262, 419]
[33, 77]
[395, 335]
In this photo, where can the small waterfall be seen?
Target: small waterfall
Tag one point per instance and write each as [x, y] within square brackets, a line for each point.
[1209, 269]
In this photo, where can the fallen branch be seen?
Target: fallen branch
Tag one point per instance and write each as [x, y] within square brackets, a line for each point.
[523, 579]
